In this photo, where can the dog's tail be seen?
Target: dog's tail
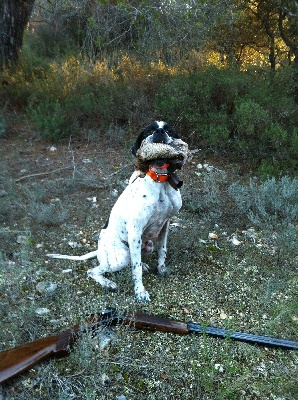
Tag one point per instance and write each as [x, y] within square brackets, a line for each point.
[87, 256]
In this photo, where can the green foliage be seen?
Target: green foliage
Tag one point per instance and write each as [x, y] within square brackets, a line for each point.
[250, 119]
[270, 204]
[250, 116]
[207, 201]
[50, 120]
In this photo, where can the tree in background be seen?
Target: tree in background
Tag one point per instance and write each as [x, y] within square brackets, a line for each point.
[278, 21]
[288, 26]
[15, 15]
[256, 32]
[147, 30]
[238, 32]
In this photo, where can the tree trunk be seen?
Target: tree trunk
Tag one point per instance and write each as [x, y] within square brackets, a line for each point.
[14, 16]
[290, 40]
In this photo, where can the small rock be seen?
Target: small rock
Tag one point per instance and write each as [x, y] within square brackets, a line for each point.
[21, 239]
[106, 339]
[235, 241]
[66, 271]
[74, 244]
[105, 379]
[219, 367]
[213, 236]
[46, 287]
[223, 315]
[194, 151]
[114, 193]
[42, 311]
[176, 225]
[55, 200]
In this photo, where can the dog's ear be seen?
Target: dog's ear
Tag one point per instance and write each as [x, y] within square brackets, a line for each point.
[143, 135]
[138, 143]
[170, 131]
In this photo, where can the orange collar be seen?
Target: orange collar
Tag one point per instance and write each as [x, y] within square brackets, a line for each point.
[158, 176]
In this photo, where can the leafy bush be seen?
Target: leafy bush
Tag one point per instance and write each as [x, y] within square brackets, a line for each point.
[250, 119]
[272, 206]
[272, 203]
[208, 200]
[247, 116]
[47, 214]
[243, 114]
[50, 119]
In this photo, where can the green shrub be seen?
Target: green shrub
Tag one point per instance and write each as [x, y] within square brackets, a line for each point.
[269, 168]
[50, 119]
[270, 204]
[250, 119]
[272, 207]
[47, 214]
[208, 200]
[245, 115]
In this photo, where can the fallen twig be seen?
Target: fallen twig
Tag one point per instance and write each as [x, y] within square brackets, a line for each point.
[42, 173]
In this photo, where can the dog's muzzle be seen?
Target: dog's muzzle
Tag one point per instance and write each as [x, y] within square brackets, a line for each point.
[161, 136]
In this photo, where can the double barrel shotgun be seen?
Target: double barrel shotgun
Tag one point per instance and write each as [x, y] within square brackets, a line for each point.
[19, 359]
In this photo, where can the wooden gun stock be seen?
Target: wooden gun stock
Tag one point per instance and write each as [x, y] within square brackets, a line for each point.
[154, 323]
[18, 359]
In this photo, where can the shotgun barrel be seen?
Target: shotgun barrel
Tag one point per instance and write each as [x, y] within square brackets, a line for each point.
[19, 359]
[154, 323]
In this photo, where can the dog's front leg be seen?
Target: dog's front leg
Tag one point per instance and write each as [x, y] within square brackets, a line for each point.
[140, 291]
[162, 250]
[135, 246]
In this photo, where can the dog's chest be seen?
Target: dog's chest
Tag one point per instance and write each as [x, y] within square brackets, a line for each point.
[168, 202]
[162, 203]
[144, 206]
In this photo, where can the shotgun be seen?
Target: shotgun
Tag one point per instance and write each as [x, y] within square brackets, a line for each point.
[19, 359]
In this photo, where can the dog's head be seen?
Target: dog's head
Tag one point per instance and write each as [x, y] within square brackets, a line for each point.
[156, 132]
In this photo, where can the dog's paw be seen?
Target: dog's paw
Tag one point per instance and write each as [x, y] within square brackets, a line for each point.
[163, 271]
[143, 296]
[110, 285]
[104, 282]
[145, 267]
